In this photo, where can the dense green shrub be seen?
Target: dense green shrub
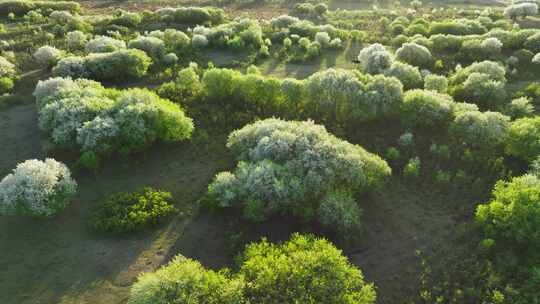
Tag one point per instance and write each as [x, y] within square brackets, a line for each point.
[519, 108]
[524, 138]
[426, 109]
[302, 270]
[152, 46]
[437, 83]
[408, 75]
[126, 212]
[533, 43]
[276, 175]
[117, 65]
[344, 96]
[445, 43]
[414, 54]
[83, 115]
[104, 44]
[186, 281]
[514, 212]
[375, 58]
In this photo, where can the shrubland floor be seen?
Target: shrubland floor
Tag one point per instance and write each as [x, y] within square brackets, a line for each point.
[60, 261]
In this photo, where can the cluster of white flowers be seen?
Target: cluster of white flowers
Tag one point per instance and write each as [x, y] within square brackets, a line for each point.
[492, 45]
[494, 70]
[536, 58]
[7, 69]
[480, 130]
[37, 188]
[286, 166]
[47, 56]
[199, 41]
[72, 66]
[375, 58]
[76, 40]
[323, 38]
[104, 44]
[415, 54]
[61, 17]
[152, 46]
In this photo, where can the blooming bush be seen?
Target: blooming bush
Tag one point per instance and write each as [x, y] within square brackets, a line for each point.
[524, 138]
[375, 59]
[83, 115]
[126, 212]
[536, 58]
[76, 40]
[483, 131]
[73, 66]
[323, 39]
[267, 274]
[512, 215]
[37, 188]
[426, 109]
[7, 75]
[199, 41]
[519, 108]
[104, 44]
[276, 173]
[47, 56]
[414, 54]
[492, 46]
[521, 10]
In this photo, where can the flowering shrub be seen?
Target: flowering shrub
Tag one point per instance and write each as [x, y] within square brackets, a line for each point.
[436, 83]
[426, 109]
[61, 17]
[276, 173]
[37, 188]
[524, 138]
[152, 46]
[127, 212]
[414, 54]
[323, 39]
[47, 56]
[267, 274]
[73, 66]
[104, 44]
[492, 46]
[512, 215]
[483, 131]
[519, 108]
[199, 41]
[7, 75]
[82, 115]
[76, 40]
[375, 59]
[536, 58]
[408, 75]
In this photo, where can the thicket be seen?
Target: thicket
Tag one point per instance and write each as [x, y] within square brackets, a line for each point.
[296, 168]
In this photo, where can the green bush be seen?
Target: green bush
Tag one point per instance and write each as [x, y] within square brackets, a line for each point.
[513, 215]
[426, 109]
[21, 7]
[412, 168]
[117, 65]
[302, 270]
[127, 212]
[186, 281]
[524, 138]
